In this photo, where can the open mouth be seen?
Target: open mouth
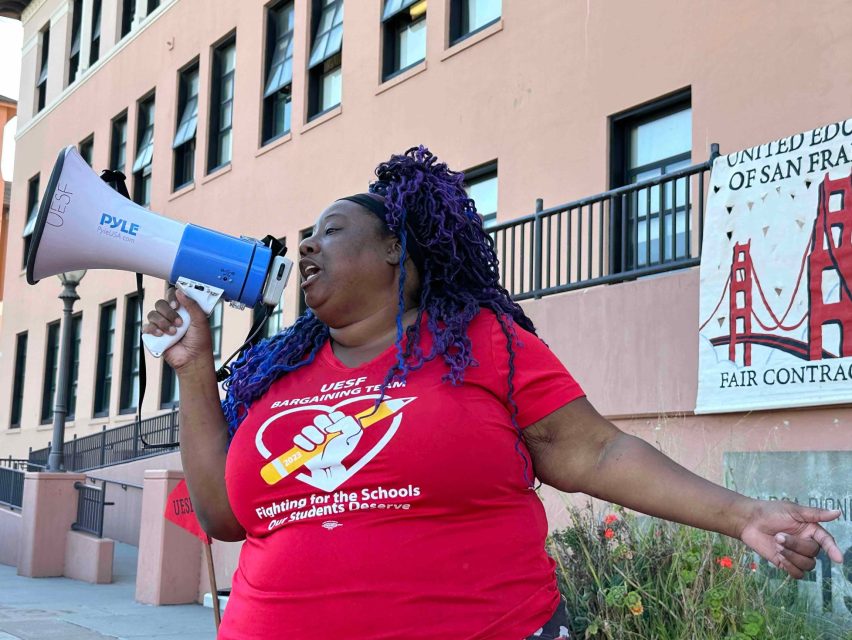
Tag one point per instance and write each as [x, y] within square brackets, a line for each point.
[310, 273]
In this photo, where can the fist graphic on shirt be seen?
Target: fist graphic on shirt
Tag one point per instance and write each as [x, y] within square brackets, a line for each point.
[327, 466]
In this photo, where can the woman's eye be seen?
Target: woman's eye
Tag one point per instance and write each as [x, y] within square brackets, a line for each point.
[331, 230]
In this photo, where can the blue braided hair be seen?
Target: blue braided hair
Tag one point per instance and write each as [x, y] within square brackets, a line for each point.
[426, 204]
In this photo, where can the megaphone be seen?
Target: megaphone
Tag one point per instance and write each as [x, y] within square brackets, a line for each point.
[85, 224]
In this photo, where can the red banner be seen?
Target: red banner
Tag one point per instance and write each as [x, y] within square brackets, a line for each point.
[179, 510]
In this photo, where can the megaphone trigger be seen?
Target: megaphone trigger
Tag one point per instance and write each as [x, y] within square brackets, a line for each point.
[205, 295]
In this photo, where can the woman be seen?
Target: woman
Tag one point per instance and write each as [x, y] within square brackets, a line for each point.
[378, 456]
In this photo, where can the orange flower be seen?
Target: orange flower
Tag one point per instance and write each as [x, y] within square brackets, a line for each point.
[608, 534]
[637, 609]
[725, 562]
[610, 519]
[753, 566]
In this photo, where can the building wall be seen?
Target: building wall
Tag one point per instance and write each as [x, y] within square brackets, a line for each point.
[533, 92]
[8, 109]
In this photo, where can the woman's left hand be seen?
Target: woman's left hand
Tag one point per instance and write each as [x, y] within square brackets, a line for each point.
[789, 535]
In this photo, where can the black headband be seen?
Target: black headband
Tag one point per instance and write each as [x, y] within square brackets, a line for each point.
[378, 208]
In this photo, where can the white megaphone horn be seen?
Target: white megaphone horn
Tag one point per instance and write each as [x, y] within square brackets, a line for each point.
[85, 224]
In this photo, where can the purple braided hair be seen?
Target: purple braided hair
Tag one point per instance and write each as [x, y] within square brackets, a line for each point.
[427, 204]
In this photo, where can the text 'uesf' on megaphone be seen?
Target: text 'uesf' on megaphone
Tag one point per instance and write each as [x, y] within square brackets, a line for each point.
[83, 223]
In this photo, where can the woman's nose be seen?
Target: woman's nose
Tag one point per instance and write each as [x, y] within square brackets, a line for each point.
[307, 246]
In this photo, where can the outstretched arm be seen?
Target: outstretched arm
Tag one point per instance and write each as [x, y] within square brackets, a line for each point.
[576, 449]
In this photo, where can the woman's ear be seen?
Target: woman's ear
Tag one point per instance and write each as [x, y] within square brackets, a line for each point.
[393, 251]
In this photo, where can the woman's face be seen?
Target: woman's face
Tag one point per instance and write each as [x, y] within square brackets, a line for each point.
[349, 265]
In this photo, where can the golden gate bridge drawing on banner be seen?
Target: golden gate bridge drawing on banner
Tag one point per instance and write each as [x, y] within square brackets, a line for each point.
[828, 252]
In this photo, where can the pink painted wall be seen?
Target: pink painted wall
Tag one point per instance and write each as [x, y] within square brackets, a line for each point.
[88, 558]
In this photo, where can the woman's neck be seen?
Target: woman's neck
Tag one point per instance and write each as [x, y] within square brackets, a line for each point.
[364, 339]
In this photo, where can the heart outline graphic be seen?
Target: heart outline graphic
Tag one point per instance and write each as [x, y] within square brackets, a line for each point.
[350, 471]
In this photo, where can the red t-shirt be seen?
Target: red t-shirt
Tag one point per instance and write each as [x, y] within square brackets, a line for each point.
[414, 521]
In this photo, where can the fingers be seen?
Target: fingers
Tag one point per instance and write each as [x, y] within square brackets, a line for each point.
[825, 540]
[813, 514]
[162, 319]
[795, 555]
[309, 438]
[343, 424]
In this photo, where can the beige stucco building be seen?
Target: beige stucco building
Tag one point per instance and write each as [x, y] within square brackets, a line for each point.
[251, 117]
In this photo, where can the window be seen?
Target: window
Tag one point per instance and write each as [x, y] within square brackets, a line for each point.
[324, 65]
[74, 370]
[51, 364]
[215, 320]
[277, 93]
[74, 50]
[184, 142]
[118, 143]
[469, 16]
[18, 384]
[128, 10]
[404, 27]
[650, 141]
[32, 214]
[95, 47]
[273, 323]
[86, 148]
[103, 377]
[144, 152]
[130, 355]
[152, 5]
[221, 104]
[303, 305]
[41, 82]
[481, 187]
[169, 383]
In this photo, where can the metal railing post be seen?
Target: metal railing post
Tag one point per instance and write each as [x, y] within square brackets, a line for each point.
[103, 445]
[73, 466]
[538, 243]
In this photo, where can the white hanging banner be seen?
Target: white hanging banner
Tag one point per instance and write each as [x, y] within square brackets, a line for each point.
[775, 319]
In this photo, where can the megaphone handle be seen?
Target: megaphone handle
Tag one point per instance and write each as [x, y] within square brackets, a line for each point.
[157, 345]
[205, 295]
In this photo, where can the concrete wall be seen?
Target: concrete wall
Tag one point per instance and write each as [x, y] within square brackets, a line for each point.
[10, 536]
[122, 520]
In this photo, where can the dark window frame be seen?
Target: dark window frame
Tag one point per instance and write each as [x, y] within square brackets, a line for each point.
[621, 174]
[76, 330]
[118, 144]
[132, 328]
[41, 79]
[480, 173]
[21, 342]
[184, 143]
[51, 370]
[392, 28]
[277, 118]
[460, 21]
[144, 136]
[87, 148]
[216, 131]
[95, 42]
[105, 359]
[33, 186]
[128, 12]
[74, 46]
[329, 62]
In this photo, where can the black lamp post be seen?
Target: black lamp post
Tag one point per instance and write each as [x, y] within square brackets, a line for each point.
[70, 280]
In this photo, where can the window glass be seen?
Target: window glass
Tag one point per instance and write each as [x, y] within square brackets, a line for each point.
[483, 191]
[412, 44]
[331, 89]
[481, 12]
[18, 384]
[661, 138]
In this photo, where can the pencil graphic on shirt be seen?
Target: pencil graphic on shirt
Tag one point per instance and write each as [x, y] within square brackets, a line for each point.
[293, 459]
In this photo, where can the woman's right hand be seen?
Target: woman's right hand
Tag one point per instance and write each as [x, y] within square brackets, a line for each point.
[196, 345]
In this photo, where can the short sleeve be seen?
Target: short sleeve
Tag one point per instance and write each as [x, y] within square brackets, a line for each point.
[541, 384]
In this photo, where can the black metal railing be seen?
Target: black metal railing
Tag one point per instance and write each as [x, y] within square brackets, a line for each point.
[11, 487]
[116, 445]
[641, 229]
[90, 508]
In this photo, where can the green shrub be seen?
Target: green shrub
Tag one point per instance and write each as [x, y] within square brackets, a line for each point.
[628, 577]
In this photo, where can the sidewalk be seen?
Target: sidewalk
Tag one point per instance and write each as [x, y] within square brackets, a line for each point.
[63, 609]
